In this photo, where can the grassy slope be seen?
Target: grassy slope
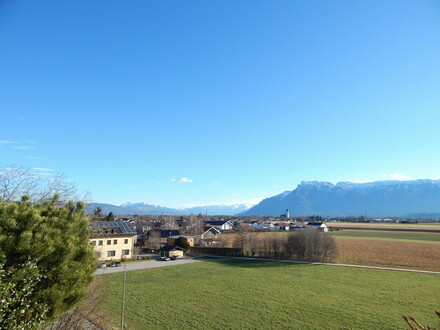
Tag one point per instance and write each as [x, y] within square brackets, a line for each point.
[240, 294]
[390, 236]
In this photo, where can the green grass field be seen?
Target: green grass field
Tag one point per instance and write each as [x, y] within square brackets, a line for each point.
[231, 294]
[415, 237]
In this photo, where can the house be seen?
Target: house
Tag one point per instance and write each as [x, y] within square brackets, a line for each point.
[113, 240]
[263, 225]
[172, 239]
[134, 223]
[282, 226]
[221, 225]
[144, 227]
[171, 251]
[295, 226]
[321, 226]
[209, 233]
[163, 234]
[209, 242]
[124, 219]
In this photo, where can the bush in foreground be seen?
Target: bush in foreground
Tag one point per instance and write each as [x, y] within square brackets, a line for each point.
[47, 261]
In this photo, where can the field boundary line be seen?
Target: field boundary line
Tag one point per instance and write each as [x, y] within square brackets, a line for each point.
[414, 230]
[320, 263]
[403, 240]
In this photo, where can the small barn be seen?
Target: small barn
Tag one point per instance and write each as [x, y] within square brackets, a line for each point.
[171, 251]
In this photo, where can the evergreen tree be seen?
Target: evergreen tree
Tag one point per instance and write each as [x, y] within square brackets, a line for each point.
[51, 244]
[17, 284]
[182, 242]
[110, 217]
[97, 214]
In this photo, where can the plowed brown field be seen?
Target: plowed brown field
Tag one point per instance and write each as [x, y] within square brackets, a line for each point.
[394, 226]
[389, 254]
[381, 253]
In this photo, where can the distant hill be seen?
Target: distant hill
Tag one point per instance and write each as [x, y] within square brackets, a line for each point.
[106, 208]
[217, 209]
[144, 209]
[374, 199]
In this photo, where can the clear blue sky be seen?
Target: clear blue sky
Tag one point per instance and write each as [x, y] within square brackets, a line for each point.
[244, 98]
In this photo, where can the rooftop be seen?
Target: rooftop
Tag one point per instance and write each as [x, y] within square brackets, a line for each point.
[112, 228]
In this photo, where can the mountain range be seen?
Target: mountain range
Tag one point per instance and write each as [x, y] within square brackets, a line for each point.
[415, 198]
[145, 208]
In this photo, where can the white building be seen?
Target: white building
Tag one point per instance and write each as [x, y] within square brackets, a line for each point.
[113, 240]
[321, 226]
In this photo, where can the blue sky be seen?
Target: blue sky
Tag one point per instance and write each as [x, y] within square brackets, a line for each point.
[197, 102]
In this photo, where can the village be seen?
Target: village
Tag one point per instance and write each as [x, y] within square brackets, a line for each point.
[152, 237]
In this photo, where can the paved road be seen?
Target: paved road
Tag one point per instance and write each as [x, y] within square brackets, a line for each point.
[139, 265]
[149, 264]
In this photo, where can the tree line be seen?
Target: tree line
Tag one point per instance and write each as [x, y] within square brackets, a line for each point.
[304, 245]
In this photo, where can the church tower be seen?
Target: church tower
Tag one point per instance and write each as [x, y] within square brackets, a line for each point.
[287, 214]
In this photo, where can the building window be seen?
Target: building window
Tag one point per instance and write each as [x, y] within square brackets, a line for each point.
[126, 241]
[109, 242]
[93, 243]
[111, 253]
[115, 241]
[100, 242]
[125, 252]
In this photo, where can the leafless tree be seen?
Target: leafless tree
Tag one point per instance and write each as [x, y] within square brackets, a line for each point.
[241, 239]
[271, 246]
[307, 245]
[311, 245]
[194, 225]
[253, 244]
[154, 241]
[222, 241]
[16, 182]
[170, 222]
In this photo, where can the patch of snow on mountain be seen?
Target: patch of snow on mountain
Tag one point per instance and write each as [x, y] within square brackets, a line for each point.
[285, 194]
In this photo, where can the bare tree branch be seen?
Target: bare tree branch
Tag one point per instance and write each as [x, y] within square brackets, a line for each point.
[16, 182]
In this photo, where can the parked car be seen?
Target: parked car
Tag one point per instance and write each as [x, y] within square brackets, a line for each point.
[176, 257]
[165, 259]
[115, 264]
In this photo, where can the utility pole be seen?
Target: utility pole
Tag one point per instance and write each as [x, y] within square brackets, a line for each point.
[123, 297]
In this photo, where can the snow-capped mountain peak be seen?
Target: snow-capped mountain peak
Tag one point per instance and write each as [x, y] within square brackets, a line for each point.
[378, 198]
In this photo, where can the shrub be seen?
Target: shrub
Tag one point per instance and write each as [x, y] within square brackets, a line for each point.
[311, 245]
[46, 260]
